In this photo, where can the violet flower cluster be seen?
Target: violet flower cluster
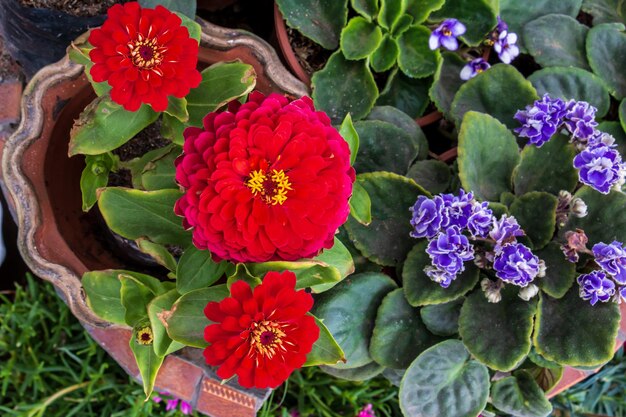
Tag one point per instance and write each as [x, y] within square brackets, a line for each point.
[610, 281]
[599, 165]
[449, 222]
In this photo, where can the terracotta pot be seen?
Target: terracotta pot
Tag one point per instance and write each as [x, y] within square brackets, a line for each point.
[59, 242]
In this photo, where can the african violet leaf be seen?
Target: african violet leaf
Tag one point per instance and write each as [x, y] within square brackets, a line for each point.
[420, 290]
[478, 16]
[498, 334]
[433, 175]
[162, 343]
[399, 334]
[95, 175]
[360, 373]
[325, 349]
[323, 21]
[360, 38]
[410, 95]
[385, 55]
[444, 381]
[536, 214]
[386, 239]
[390, 12]
[572, 332]
[148, 363]
[443, 319]
[447, 82]
[605, 49]
[400, 119]
[520, 396]
[343, 87]
[622, 114]
[420, 9]
[416, 59]
[616, 130]
[605, 11]
[384, 147]
[402, 25]
[197, 270]
[488, 153]
[560, 273]
[572, 83]
[366, 8]
[349, 310]
[557, 40]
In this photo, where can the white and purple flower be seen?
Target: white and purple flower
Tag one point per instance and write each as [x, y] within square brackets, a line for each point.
[516, 264]
[427, 216]
[445, 35]
[506, 46]
[473, 68]
[480, 221]
[612, 259]
[541, 120]
[580, 119]
[600, 167]
[456, 210]
[449, 249]
[505, 231]
[596, 286]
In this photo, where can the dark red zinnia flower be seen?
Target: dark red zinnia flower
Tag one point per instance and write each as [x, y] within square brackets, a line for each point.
[262, 336]
[145, 55]
[266, 180]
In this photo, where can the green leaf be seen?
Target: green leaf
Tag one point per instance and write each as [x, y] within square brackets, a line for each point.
[488, 153]
[386, 239]
[137, 165]
[572, 332]
[360, 204]
[517, 14]
[399, 334]
[605, 11]
[348, 133]
[447, 82]
[162, 344]
[194, 29]
[548, 168]
[444, 381]
[485, 93]
[498, 334]
[402, 24]
[343, 87]
[546, 378]
[160, 172]
[390, 12]
[520, 396]
[615, 129]
[172, 129]
[187, 8]
[135, 298]
[186, 321]
[416, 59]
[443, 319]
[103, 294]
[384, 147]
[360, 38]
[104, 126]
[95, 175]
[385, 55]
[433, 175]
[148, 363]
[478, 16]
[360, 373]
[410, 95]
[349, 310]
[405, 122]
[134, 214]
[605, 46]
[560, 273]
[420, 9]
[366, 8]
[239, 272]
[557, 40]
[572, 83]
[325, 350]
[78, 52]
[197, 270]
[177, 107]
[420, 290]
[158, 252]
[622, 114]
[322, 21]
[536, 214]
[221, 83]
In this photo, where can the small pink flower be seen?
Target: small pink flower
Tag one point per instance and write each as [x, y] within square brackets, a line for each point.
[367, 411]
[185, 408]
[172, 404]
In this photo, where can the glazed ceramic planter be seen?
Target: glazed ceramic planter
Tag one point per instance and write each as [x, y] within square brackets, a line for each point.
[59, 242]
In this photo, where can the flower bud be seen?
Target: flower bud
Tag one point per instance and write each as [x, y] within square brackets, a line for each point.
[528, 292]
[578, 207]
[492, 289]
[542, 269]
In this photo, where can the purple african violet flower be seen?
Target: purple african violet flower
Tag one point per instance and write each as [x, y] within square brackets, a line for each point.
[479, 223]
[612, 259]
[541, 120]
[596, 286]
[622, 294]
[449, 249]
[502, 26]
[600, 167]
[440, 276]
[580, 119]
[505, 47]
[599, 137]
[516, 264]
[185, 408]
[456, 210]
[367, 411]
[427, 216]
[172, 404]
[445, 35]
[473, 68]
[504, 231]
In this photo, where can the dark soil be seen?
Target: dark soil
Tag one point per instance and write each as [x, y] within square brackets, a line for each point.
[256, 16]
[311, 56]
[74, 7]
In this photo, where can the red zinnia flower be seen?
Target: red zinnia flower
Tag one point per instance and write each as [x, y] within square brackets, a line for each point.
[267, 180]
[145, 55]
[261, 336]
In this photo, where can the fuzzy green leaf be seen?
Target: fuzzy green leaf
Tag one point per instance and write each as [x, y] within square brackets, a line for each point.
[187, 8]
[322, 21]
[520, 396]
[410, 95]
[384, 147]
[433, 175]
[606, 44]
[405, 122]
[536, 214]
[360, 373]
[478, 16]
[420, 9]
[360, 38]
[443, 319]
[385, 55]
[416, 59]
[366, 8]
[560, 273]
[447, 82]
[390, 12]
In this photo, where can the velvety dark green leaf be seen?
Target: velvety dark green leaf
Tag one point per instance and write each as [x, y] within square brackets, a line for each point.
[386, 240]
[103, 294]
[546, 378]
[197, 270]
[605, 11]
[384, 147]
[570, 331]
[520, 396]
[385, 56]
[572, 83]
[420, 290]
[188, 8]
[348, 133]
[485, 93]
[416, 59]
[560, 273]
[405, 122]
[615, 129]
[622, 114]
[158, 252]
[478, 16]
[409, 95]
[360, 373]
[325, 349]
[488, 153]
[498, 334]
[401, 25]
[360, 204]
[134, 214]
[162, 343]
[447, 82]
[148, 363]
[557, 40]
[394, 375]
[349, 311]
[361, 263]
[433, 175]
[444, 381]
[498, 209]
[443, 319]
[536, 214]
[420, 9]
[606, 44]
[399, 333]
[322, 21]
[390, 12]
[95, 175]
[548, 168]
[366, 8]
[360, 38]
[343, 87]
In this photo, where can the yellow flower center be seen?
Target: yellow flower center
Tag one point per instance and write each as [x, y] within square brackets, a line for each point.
[271, 187]
[145, 53]
[446, 32]
[144, 336]
[266, 337]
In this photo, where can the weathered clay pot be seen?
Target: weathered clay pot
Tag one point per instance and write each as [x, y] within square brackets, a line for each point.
[59, 242]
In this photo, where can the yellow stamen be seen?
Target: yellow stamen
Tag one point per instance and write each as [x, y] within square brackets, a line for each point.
[145, 53]
[266, 337]
[273, 190]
